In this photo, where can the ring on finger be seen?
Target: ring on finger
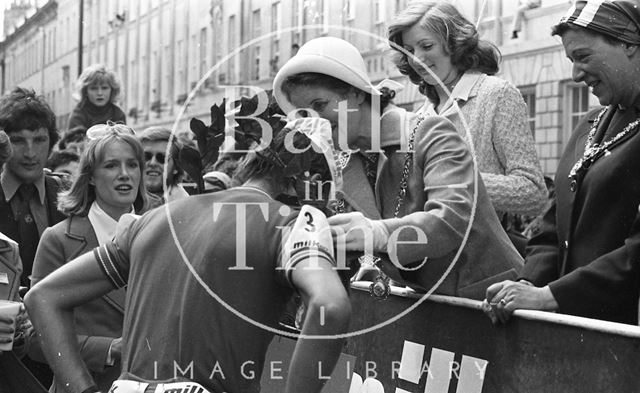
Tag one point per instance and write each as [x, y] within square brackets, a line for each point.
[503, 302]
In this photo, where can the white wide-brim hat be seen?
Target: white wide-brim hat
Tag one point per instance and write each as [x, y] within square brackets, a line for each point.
[325, 55]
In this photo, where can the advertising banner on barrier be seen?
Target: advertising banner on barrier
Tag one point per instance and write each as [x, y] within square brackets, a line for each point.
[447, 345]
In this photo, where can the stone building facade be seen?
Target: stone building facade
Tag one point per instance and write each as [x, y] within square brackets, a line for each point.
[175, 57]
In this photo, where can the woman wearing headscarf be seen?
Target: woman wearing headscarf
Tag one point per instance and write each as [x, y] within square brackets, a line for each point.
[580, 263]
[406, 176]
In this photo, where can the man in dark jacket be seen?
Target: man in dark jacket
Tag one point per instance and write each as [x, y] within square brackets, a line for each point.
[28, 198]
[14, 378]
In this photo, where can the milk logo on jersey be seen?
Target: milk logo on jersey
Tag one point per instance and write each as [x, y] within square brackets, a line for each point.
[310, 235]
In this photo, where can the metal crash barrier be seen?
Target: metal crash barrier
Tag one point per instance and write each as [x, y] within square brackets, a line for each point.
[447, 345]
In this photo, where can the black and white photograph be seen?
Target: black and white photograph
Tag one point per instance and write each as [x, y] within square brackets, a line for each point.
[319, 196]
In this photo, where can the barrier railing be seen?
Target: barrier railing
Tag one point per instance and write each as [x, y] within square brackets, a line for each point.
[447, 345]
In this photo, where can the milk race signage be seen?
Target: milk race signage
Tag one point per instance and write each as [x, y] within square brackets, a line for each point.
[447, 345]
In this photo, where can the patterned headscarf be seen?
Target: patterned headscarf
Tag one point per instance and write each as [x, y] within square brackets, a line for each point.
[618, 19]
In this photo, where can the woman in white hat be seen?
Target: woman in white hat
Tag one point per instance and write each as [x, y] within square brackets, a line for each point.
[432, 193]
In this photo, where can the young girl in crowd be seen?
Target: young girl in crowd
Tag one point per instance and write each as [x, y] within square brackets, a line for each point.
[98, 91]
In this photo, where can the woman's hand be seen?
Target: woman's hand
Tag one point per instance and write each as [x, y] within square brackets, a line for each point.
[355, 232]
[505, 297]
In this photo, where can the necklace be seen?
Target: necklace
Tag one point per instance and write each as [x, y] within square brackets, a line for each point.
[593, 151]
[451, 85]
[380, 288]
[406, 169]
[342, 158]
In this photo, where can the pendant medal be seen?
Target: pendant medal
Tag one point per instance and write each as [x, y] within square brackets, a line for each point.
[380, 287]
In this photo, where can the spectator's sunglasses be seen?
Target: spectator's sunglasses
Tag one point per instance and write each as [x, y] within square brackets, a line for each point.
[160, 157]
[101, 130]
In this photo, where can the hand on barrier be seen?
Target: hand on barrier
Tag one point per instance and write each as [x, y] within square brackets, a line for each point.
[505, 297]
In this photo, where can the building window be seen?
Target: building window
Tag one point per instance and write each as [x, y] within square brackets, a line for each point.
[400, 5]
[579, 97]
[350, 9]
[274, 62]
[256, 63]
[232, 46]
[145, 80]
[378, 11]
[155, 78]
[180, 53]
[579, 104]
[319, 14]
[217, 49]
[132, 101]
[489, 10]
[133, 10]
[529, 96]
[55, 39]
[324, 17]
[194, 61]
[218, 34]
[276, 15]
[166, 87]
[298, 20]
[275, 41]
[578, 101]
[256, 31]
[203, 51]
